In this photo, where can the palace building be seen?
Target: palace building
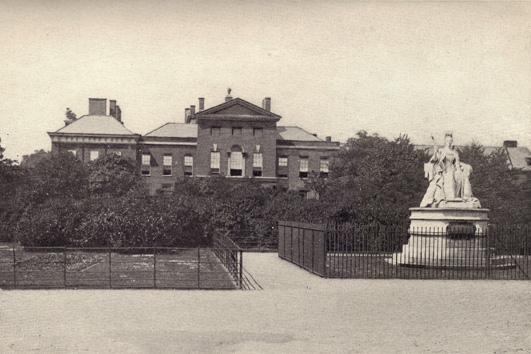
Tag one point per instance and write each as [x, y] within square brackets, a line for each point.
[236, 139]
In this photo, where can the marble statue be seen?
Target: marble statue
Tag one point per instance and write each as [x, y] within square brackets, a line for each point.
[449, 179]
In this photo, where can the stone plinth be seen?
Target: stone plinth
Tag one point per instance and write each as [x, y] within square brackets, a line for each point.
[448, 237]
[440, 218]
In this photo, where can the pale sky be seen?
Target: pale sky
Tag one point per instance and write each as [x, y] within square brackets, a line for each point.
[330, 67]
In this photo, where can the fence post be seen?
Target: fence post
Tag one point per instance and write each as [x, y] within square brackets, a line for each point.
[14, 268]
[198, 268]
[487, 252]
[241, 269]
[64, 267]
[110, 269]
[155, 267]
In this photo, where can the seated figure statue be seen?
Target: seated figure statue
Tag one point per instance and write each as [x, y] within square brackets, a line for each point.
[449, 179]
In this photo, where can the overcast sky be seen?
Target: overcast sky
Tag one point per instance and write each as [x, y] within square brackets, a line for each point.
[330, 67]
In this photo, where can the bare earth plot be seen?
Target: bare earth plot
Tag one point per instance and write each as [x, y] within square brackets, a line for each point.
[99, 268]
[296, 313]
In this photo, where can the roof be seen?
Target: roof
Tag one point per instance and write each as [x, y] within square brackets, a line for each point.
[518, 157]
[296, 133]
[96, 125]
[237, 108]
[175, 130]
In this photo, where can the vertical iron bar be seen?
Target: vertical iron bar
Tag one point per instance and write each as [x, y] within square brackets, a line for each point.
[313, 249]
[64, 267]
[155, 267]
[110, 269]
[14, 268]
[241, 269]
[199, 268]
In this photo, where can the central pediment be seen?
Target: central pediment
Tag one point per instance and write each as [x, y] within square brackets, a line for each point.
[237, 109]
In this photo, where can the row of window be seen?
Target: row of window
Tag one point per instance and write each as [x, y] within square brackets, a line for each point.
[167, 165]
[258, 132]
[236, 165]
[94, 154]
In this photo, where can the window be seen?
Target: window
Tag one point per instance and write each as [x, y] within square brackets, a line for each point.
[323, 167]
[303, 194]
[94, 155]
[236, 163]
[282, 171]
[188, 165]
[73, 152]
[214, 162]
[146, 165]
[166, 165]
[527, 160]
[303, 167]
[259, 132]
[215, 130]
[236, 131]
[257, 164]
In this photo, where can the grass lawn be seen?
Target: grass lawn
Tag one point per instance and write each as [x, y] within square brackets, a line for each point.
[99, 268]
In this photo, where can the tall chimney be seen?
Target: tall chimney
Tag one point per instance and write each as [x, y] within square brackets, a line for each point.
[119, 114]
[192, 111]
[201, 104]
[187, 115]
[266, 104]
[112, 108]
[97, 106]
[328, 139]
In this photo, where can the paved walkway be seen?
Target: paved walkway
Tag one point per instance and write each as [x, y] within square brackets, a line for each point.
[295, 313]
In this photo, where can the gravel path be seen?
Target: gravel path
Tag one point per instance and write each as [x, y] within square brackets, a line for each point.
[295, 313]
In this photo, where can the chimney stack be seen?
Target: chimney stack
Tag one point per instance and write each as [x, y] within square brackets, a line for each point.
[266, 104]
[119, 114]
[97, 106]
[228, 97]
[201, 104]
[510, 143]
[328, 139]
[192, 111]
[112, 108]
[187, 115]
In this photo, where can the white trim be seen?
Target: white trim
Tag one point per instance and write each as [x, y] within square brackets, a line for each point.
[167, 143]
[308, 147]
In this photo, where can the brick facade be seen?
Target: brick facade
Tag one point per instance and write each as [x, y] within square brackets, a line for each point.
[235, 130]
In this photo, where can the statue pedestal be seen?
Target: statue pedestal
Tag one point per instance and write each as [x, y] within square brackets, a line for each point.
[448, 237]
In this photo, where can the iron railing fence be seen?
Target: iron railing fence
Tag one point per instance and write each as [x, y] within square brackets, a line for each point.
[229, 254]
[114, 268]
[396, 251]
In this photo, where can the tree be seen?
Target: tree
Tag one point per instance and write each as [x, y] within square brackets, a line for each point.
[11, 180]
[113, 175]
[70, 115]
[32, 160]
[60, 175]
[375, 180]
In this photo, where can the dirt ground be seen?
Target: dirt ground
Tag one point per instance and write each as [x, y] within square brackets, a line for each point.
[295, 313]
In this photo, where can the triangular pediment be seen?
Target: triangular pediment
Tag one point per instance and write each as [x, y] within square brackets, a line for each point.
[237, 107]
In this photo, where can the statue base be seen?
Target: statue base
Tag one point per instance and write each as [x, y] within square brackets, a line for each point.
[448, 238]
